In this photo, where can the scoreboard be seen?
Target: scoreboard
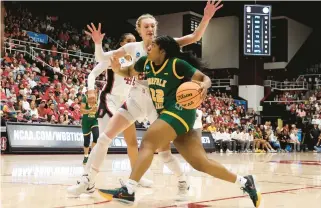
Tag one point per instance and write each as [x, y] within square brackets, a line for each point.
[257, 30]
[190, 23]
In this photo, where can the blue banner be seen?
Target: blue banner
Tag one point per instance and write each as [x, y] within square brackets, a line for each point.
[39, 38]
[241, 102]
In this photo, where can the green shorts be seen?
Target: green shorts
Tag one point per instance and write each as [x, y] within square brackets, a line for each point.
[87, 124]
[182, 120]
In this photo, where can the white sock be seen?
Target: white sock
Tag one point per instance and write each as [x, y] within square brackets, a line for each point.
[97, 156]
[173, 164]
[240, 180]
[131, 186]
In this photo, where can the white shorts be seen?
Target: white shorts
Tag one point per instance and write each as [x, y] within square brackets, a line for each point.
[108, 108]
[139, 105]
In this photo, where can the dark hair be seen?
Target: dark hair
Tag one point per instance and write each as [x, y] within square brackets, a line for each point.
[122, 38]
[172, 49]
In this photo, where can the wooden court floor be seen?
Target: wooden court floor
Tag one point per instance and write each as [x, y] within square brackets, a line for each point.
[40, 181]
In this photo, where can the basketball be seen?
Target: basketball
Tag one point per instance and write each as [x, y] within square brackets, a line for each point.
[188, 95]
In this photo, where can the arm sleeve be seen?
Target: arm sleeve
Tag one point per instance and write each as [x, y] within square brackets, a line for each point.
[184, 69]
[98, 69]
[130, 48]
[139, 65]
[100, 55]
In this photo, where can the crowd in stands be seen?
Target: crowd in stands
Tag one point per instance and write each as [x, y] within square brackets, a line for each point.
[49, 90]
[19, 20]
[249, 137]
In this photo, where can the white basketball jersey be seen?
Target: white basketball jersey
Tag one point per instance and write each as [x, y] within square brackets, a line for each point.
[136, 51]
[116, 84]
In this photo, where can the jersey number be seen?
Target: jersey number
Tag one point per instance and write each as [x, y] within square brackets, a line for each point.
[157, 95]
[129, 80]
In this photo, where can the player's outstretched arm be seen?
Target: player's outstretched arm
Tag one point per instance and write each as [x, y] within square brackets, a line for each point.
[98, 69]
[209, 11]
[128, 71]
[98, 37]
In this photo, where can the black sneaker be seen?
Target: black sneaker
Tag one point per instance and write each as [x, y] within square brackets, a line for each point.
[84, 162]
[251, 190]
[119, 193]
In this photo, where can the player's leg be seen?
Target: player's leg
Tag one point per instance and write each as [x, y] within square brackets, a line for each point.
[97, 152]
[86, 148]
[173, 164]
[159, 134]
[132, 151]
[190, 142]
[116, 124]
[95, 133]
[132, 145]
[86, 130]
[165, 153]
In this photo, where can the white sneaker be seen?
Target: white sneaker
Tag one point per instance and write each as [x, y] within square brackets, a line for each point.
[228, 151]
[145, 183]
[84, 186]
[183, 187]
[221, 151]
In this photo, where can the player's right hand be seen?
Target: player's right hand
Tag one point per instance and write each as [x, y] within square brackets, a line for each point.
[114, 63]
[95, 34]
[92, 100]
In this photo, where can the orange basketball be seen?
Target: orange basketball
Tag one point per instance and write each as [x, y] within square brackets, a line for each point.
[188, 95]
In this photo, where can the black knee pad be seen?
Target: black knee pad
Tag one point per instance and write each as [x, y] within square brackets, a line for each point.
[95, 132]
[87, 140]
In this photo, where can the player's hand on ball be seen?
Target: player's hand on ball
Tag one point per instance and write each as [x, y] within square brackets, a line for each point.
[92, 100]
[202, 89]
[211, 8]
[95, 34]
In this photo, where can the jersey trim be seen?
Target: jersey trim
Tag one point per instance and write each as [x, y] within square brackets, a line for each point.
[174, 70]
[161, 69]
[145, 63]
[178, 118]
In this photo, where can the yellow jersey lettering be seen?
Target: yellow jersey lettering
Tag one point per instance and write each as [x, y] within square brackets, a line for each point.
[157, 82]
[157, 97]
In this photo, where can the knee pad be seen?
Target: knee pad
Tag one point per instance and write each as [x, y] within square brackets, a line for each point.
[104, 140]
[95, 132]
[87, 140]
[166, 156]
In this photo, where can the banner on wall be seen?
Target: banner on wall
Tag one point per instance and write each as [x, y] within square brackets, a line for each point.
[39, 38]
[40, 137]
[241, 102]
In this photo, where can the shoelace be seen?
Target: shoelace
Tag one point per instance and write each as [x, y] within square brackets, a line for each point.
[249, 191]
[182, 185]
[121, 182]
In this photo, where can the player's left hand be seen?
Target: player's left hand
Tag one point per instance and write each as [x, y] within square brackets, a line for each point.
[211, 8]
[202, 89]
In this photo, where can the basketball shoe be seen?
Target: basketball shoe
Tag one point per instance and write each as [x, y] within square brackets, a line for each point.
[84, 162]
[83, 186]
[251, 189]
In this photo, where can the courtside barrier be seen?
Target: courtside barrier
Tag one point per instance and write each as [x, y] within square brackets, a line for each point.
[26, 137]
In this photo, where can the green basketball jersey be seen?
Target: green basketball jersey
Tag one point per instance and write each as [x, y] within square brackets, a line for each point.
[91, 115]
[164, 80]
